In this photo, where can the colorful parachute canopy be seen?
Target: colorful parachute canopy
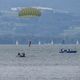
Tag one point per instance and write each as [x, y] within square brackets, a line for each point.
[29, 12]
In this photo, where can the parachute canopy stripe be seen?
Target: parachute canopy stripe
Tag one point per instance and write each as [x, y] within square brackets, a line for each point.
[30, 12]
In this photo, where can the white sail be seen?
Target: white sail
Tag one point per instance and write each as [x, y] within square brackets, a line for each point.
[52, 42]
[77, 42]
[17, 43]
[39, 43]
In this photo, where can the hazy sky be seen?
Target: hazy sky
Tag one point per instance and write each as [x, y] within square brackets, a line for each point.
[67, 5]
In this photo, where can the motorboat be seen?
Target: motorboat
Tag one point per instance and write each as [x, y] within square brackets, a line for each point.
[67, 51]
[21, 54]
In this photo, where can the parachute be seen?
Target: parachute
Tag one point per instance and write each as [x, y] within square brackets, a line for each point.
[29, 12]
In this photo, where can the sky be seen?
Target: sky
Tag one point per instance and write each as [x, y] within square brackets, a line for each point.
[72, 6]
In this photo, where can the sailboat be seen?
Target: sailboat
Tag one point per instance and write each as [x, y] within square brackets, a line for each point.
[17, 43]
[52, 42]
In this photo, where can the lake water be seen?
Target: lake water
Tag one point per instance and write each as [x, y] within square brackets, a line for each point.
[42, 62]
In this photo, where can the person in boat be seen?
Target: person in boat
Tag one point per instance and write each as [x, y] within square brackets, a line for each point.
[23, 54]
[18, 54]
